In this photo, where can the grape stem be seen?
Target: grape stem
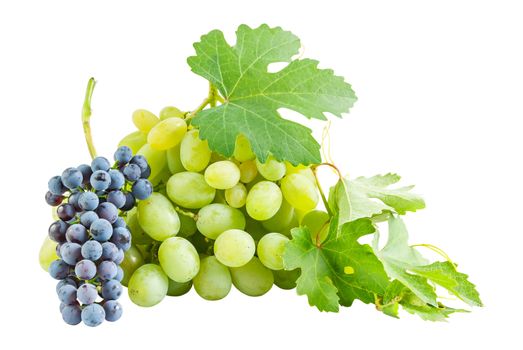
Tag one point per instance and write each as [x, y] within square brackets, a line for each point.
[322, 194]
[86, 117]
[186, 213]
[212, 97]
[436, 250]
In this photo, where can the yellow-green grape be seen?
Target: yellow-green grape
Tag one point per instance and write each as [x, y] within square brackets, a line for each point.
[252, 279]
[248, 171]
[236, 196]
[270, 250]
[242, 149]
[286, 279]
[281, 219]
[257, 179]
[300, 169]
[47, 253]
[222, 175]
[295, 222]
[187, 226]
[157, 217]
[213, 281]
[167, 134]
[317, 222]
[220, 197]
[134, 141]
[272, 169]
[299, 191]
[264, 200]
[194, 153]
[132, 260]
[179, 259]
[138, 234]
[148, 285]
[161, 178]
[171, 112]
[234, 248]
[156, 159]
[255, 229]
[215, 218]
[173, 160]
[190, 190]
[146, 250]
[144, 120]
[177, 289]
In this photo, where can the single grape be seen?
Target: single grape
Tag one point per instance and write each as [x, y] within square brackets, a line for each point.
[71, 253]
[156, 160]
[236, 196]
[92, 250]
[134, 141]
[107, 211]
[111, 290]
[213, 281]
[72, 178]
[157, 217]
[88, 217]
[130, 201]
[56, 186]
[59, 269]
[117, 179]
[107, 270]
[216, 218]
[148, 285]
[264, 200]
[299, 191]
[190, 190]
[177, 289]
[119, 273]
[100, 163]
[85, 269]
[87, 294]
[119, 257]
[248, 171]
[113, 310]
[174, 162]
[167, 133]
[281, 219]
[144, 120]
[171, 112]
[53, 199]
[133, 259]
[88, 201]
[121, 238]
[120, 222]
[234, 248]
[77, 233]
[73, 200]
[86, 173]
[67, 294]
[286, 279]
[93, 315]
[101, 230]
[300, 169]
[71, 314]
[138, 234]
[270, 250]
[117, 198]
[179, 259]
[194, 152]
[142, 189]
[47, 253]
[252, 279]
[123, 154]
[242, 149]
[57, 231]
[100, 180]
[317, 222]
[272, 169]
[222, 175]
[109, 251]
[65, 212]
[187, 226]
[65, 281]
[132, 172]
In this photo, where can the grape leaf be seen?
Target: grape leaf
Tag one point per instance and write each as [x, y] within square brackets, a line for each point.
[253, 95]
[339, 270]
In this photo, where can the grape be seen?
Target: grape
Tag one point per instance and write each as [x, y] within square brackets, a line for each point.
[187, 226]
[59, 269]
[300, 169]
[177, 289]
[156, 159]
[72, 178]
[248, 171]
[101, 230]
[119, 257]
[121, 238]
[144, 120]
[133, 259]
[117, 179]
[264, 200]
[252, 279]
[281, 219]
[157, 217]
[92, 250]
[294, 223]
[272, 169]
[56, 186]
[270, 250]
[317, 222]
[167, 133]
[142, 189]
[65, 212]
[234, 248]
[107, 270]
[236, 196]
[220, 197]
[222, 175]
[86, 173]
[113, 310]
[134, 141]
[130, 201]
[88, 201]
[213, 281]
[148, 285]
[67, 294]
[190, 190]
[63, 282]
[123, 154]
[171, 112]
[71, 314]
[109, 251]
[299, 191]
[100, 180]
[107, 211]
[93, 315]
[111, 290]
[71, 253]
[53, 199]
[47, 253]
[242, 149]
[100, 163]
[179, 259]
[119, 273]
[132, 172]
[87, 294]
[85, 269]
[120, 222]
[117, 198]
[73, 200]
[174, 162]
[286, 279]
[76, 233]
[216, 218]
[194, 153]
[57, 231]
[138, 234]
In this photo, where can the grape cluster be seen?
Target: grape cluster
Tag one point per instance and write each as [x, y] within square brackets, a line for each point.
[91, 237]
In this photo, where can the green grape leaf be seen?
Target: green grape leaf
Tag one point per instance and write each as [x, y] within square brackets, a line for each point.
[337, 271]
[367, 197]
[253, 95]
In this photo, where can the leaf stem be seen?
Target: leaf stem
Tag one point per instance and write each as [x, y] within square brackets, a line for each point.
[86, 117]
[322, 194]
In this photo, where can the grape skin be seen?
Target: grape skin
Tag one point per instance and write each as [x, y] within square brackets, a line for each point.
[148, 285]
[216, 218]
[213, 281]
[234, 248]
[264, 200]
[252, 279]
[179, 259]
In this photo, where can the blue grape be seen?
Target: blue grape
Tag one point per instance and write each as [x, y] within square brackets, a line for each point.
[100, 163]
[72, 314]
[146, 173]
[119, 274]
[66, 281]
[112, 290]
[85, 269]
[121, 238]
[88, 201]
[59, 269]
[107, 211]
[119, 223]
[53, 199]
[66, 212]
[140, 161]
[87, 293]
[93, 315]
[107, 270]
[119, 258]
[86, 173]
[117, 198]
[132, 172]
[113, 310]
[73, 200]
[71, 253]
[67, 294]
[117, 179]
[72, 178]
[142, 189]
[109, 251]
[129, 202]
[76, 233]
[92, 250]
[57, 231]
[101, 230]
[87, 218]
[123, 154]
[56, 185]
[100, 180]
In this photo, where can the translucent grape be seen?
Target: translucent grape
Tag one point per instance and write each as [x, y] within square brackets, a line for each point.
[300, 169]
[252, 279]
[234, 248]
[236, 196]
[138, 234]
[286, 279]
[264, 200]
[213, 281]
[272, 169]
[299, 191]
[216, 218]
[194, 153]
[281, 219]
[171, 112]
[270, 250]
[157, 217]
[174, 162]
[177, 289]
[132, 260]
[222, 175]
[189, 190]
[167, 133]
[155, 158]
[144, 120]
[47, 253]
[242, 149]
[148, 285]
[179, 259]
[317, 222]
[248, 171]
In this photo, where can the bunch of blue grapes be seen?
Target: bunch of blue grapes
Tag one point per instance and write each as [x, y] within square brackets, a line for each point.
[92, 237]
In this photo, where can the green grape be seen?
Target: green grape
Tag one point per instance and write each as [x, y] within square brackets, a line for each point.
[202, 244]
[157, 217]
[213, 281]
[317, 222]
[252, 279]
[187, 226]
[138, 234]
[189, 190]
[295, 222]
[134, 141]
[242, 149]
[179, 259]
[156, 159]
[264, 200]
[47, 253]
[194, 153]
[300, 169]
[148, 285]
[255, 229]
[222, 175]
[248, 171]
[272, 169]
[177, 289]
[286, 279]
[255, 181]
[213, 219]
[236, 196]
[234, 248]
[161, 178]
[281, 219]
[171, 112]
[270, 250]
[167, 134]
[144, 120]
[146, 250]
[220, 197]
[299, 192]
[173, 160]
[132, 260]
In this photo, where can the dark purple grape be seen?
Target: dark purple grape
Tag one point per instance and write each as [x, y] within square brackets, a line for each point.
[66, 212]
[53, 199]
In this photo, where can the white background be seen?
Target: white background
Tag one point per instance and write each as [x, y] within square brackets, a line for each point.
[439, 86]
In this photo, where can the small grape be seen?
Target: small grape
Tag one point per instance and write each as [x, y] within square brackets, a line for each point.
[53, 199]
[71, 314]
[111, 290]
[107, 270]
[57, 231]
[87, 294]
[142, 189]
[72, 178]
[117, 198]
[144, 120]
[56, 186]
[234, 248]
[67, 294]
[85, 269]
[100, 180]
[88, 201]
[76, 233]
[93, 315]
[100, 163]
[123, 154]
[113, 310]
[65, 212]
[92, 250]
[87, 218]
[117, 179]
[272, 169]
[101, 230]
[71, 253]
[59, 269]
